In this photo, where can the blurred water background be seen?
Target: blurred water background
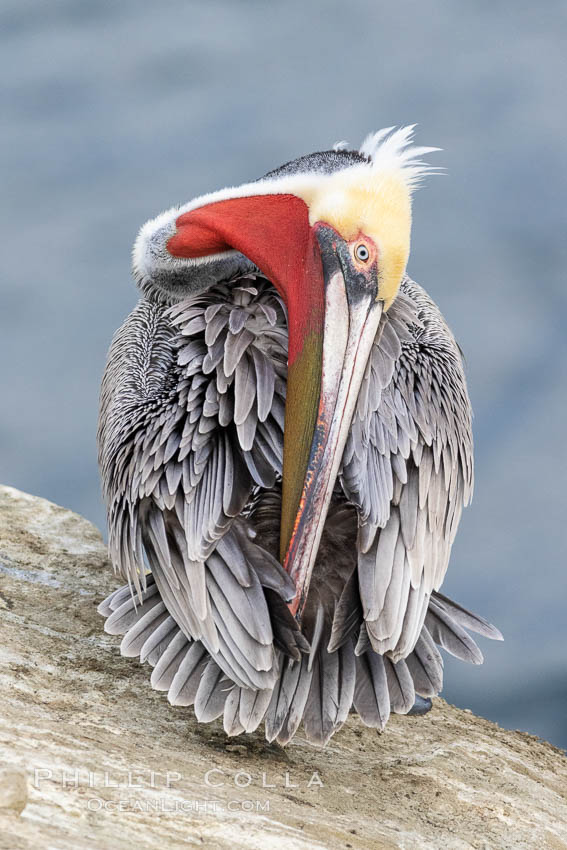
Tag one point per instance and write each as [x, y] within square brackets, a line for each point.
[112, 111]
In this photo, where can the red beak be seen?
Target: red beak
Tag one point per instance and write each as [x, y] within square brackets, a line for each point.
[273, 231]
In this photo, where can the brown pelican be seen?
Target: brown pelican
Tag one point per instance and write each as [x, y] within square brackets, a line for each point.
[285, 448]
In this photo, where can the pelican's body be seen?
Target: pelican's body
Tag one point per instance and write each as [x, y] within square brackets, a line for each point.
[282, 308]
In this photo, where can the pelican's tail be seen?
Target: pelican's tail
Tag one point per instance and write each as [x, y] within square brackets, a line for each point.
[339, 673]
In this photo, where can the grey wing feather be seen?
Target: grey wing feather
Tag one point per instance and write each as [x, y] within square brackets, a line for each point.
[287, 704]
[245, 709]
[185, 682]
[131, 611]
[156, 643]
[168, 665]
[211, 693]
[347, 615]
[114, 600]
[400, 686]
[466, 618]
[287, 634]
[426, 666]
[136, 636]
[231, 713]
[371, 696]
[451, 636]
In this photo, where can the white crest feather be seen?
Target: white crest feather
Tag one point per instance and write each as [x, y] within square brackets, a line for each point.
[392, 149]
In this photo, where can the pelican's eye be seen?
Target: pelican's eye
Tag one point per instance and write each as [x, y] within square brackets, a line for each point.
[362, 253]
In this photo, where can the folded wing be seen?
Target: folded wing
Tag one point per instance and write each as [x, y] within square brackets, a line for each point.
[408, 468]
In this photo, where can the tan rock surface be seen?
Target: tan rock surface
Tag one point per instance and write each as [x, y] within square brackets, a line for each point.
[108, 763]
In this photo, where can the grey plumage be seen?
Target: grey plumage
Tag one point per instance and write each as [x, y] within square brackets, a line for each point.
[167, 666]
[191, 443]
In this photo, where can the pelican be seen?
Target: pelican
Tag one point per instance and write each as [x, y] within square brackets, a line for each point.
[285, 449]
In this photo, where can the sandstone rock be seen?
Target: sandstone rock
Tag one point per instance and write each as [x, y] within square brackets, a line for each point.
[13, 789]
[110, 764]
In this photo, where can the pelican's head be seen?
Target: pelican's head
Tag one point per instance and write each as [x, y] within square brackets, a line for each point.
[331, 230]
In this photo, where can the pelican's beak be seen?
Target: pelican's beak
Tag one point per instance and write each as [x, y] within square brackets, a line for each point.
[351, 317]
[333, 317]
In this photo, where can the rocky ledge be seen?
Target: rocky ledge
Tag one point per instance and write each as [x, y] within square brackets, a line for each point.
[91, 757]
